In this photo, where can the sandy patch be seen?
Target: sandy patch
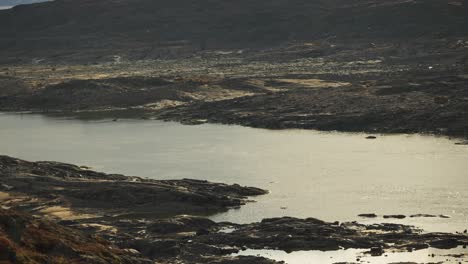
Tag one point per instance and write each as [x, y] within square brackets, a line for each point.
[313, 83]
[215, 93]
[163, 104]
[106, 228]
[64, 213]
[4, 196]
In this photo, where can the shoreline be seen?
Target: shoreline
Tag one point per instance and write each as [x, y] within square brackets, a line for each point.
[151, 219]
[141, 114]
[345, 90]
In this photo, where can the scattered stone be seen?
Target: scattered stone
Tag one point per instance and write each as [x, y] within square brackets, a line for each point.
[368, 215]
[444, 243]
[376, 251]
[395, 216]
[423, 215]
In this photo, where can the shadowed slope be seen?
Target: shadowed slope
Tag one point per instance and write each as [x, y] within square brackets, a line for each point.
[108, 26]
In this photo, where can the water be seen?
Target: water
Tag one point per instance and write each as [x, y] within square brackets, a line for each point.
[456, 255]
[2, 7]
[330, 176]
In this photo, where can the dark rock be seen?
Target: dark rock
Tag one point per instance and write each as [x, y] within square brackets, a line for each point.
[107, 191]
[377, 251]
[180, 224]
[423, 215]
[447, 243]
[441, 100]
[167, 248]
[395, 216]
[203, 231]
[368, 215]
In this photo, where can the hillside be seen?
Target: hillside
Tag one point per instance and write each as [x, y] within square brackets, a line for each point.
[150, 27]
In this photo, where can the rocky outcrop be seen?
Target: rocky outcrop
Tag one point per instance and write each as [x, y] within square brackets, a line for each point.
[24, 239]
[89, 192]
[292, 234]
[80, 203]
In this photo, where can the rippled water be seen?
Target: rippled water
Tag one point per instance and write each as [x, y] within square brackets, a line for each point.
[327, 175]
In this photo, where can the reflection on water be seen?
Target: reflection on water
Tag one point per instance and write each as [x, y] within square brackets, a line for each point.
[330, 176]
[5, 7]
[430, 255]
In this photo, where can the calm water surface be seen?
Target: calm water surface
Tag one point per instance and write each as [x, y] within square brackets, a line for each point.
[429, 255]
[331, 176]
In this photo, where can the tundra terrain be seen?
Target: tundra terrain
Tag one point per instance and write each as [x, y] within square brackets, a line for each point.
[375, 66]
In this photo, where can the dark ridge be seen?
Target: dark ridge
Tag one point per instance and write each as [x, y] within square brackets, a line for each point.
[109, 26]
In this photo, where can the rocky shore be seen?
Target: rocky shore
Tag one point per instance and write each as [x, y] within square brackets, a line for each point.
[383, 87]
[413, 103]
[74, 192]
[62, 213]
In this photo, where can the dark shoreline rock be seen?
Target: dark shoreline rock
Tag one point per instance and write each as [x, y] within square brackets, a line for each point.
[368, 215]
[395, 216]
[89, 191]
[423, 215]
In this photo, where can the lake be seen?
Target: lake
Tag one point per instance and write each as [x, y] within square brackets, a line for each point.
[429, 255]
[326, 175]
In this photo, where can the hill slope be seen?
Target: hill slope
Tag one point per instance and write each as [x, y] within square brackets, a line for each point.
[108, 26]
